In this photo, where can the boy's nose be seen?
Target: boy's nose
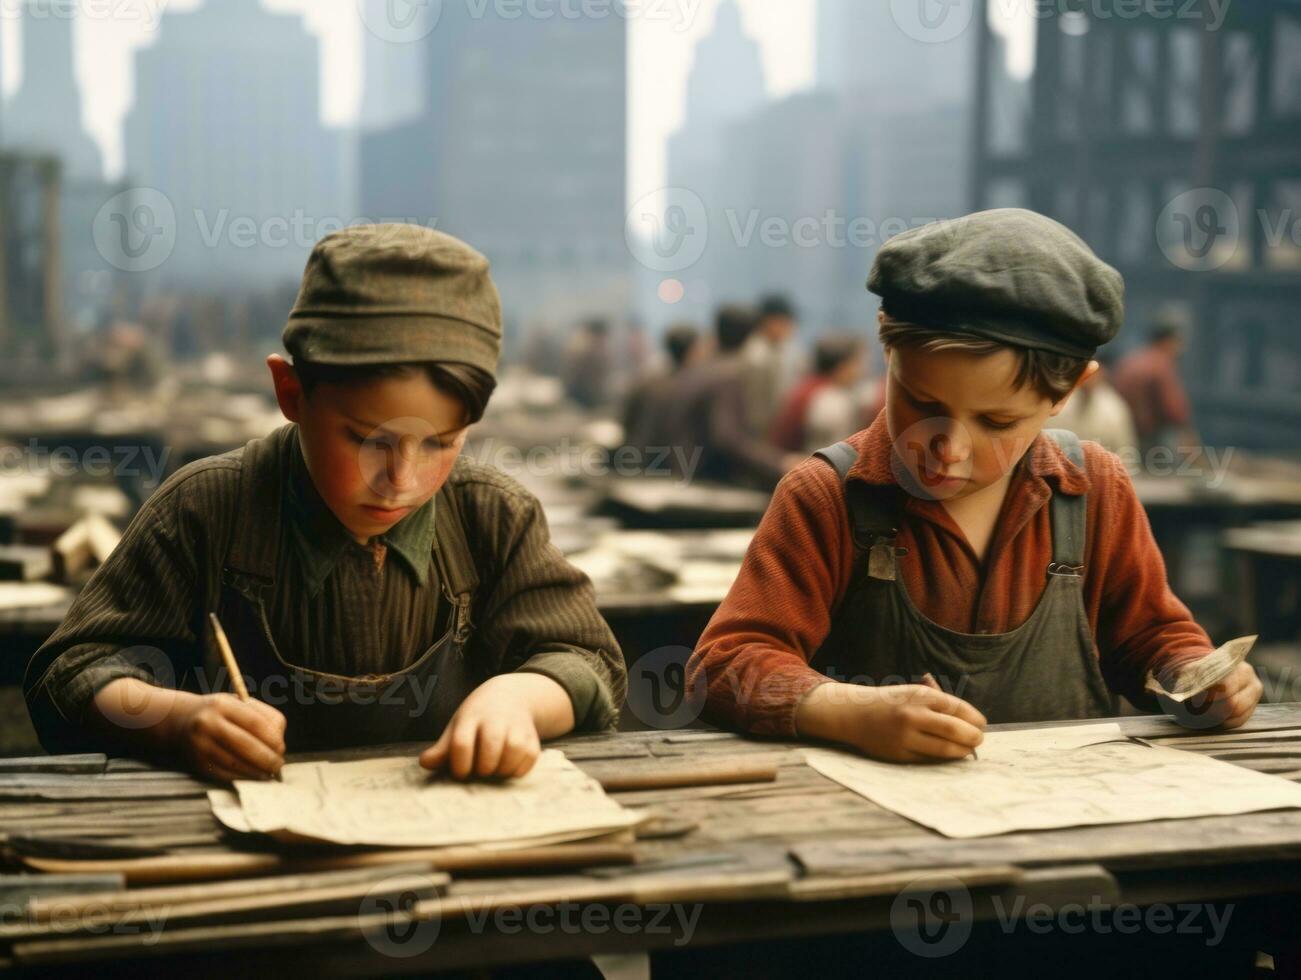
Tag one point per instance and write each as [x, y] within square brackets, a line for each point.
[951, 446]
[402, 463]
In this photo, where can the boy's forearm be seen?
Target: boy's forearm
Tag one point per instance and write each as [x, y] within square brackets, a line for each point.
[821, 712]
[134, 713]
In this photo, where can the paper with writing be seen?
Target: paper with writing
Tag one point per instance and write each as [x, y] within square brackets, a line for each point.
[393, 802]
[1203, 674]
[1065, 776]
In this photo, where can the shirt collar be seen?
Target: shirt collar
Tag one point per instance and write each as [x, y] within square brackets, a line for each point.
[1043, 461]
[322, 540]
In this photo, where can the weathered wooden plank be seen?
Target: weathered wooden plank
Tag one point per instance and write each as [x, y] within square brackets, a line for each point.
[825, 888]
[92, 762]
[76, 904]
[223, 864]
[19, 892]
[302, 902]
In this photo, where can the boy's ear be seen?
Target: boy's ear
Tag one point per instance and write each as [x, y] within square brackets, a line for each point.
[1093, 368]
[289, 390]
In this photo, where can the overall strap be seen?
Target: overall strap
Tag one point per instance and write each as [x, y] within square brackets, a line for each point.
[873, 515]
[1068, 512]
[451, 546]
[256, 540]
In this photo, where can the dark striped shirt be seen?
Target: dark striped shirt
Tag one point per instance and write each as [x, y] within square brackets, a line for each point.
[338, 606]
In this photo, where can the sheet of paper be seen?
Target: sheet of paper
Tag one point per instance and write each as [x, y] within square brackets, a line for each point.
[393, 802]
[1205, 673]
[1067, 776]
[226, 808]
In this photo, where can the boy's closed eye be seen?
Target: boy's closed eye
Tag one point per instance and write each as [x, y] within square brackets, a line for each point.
[935, 408]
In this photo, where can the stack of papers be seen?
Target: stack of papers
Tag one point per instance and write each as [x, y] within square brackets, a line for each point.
[394, 802]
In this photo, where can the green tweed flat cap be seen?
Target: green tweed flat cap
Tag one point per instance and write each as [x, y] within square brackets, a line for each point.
[1008, 275]
[395, 293]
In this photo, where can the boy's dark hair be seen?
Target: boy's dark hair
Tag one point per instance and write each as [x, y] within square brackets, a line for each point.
[678, 341]
[1053, 375]
[831, 352]
[733, 325]
[471, 386]
[776, 305]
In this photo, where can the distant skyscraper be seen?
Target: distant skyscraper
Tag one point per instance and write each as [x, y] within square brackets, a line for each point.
[726, 80]
[726, 86]
[44, 116]
[226, 123]
[864, 49]
[394, 82]
[521, 150]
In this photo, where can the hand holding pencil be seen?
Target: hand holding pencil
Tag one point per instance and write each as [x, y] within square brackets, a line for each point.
[227, 736]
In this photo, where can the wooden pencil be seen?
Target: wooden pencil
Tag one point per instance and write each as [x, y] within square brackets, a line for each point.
[232, 667]
[228, 655]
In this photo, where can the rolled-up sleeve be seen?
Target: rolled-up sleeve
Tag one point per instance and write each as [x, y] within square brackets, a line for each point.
[755, 652]
[1142, 625]
[133, 619]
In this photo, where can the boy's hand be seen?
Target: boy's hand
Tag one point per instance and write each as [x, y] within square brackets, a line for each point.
[224, 738]
[216, 736]
[1226, 705]
[903, 723]
[498, 729]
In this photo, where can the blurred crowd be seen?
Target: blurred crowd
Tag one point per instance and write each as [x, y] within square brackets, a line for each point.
[746, 401]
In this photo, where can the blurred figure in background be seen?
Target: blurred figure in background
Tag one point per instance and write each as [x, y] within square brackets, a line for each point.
[826, 406]
[705, 414]
[588, 365]
[127, 362]
[1148, 380]
[646, 405]
[1097, 412]
[768, 360]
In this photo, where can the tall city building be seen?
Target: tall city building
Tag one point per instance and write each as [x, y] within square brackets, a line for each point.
[725, 89]
[226, 125]
[393, 84]
[907, 53]
[44, 116]
[521, 150]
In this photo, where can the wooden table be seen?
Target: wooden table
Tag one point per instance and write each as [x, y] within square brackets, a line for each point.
[792, 859]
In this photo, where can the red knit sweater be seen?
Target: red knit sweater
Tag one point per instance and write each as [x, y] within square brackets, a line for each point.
[755, 650]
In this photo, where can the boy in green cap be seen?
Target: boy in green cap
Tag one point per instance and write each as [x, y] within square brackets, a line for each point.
[375, 585]
[955, 564]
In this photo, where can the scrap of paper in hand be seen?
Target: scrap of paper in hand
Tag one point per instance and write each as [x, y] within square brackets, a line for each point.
[1202, 675]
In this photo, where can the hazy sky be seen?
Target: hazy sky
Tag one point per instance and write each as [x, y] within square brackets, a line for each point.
[660, 45]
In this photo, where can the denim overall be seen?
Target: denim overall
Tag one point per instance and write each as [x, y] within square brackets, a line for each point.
[1044, 670]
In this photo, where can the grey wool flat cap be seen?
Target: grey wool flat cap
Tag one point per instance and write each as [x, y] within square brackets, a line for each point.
[395, 293]
[1007, 275]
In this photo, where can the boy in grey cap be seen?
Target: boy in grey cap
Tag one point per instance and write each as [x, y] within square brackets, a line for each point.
[376, 585]
[955, 563]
